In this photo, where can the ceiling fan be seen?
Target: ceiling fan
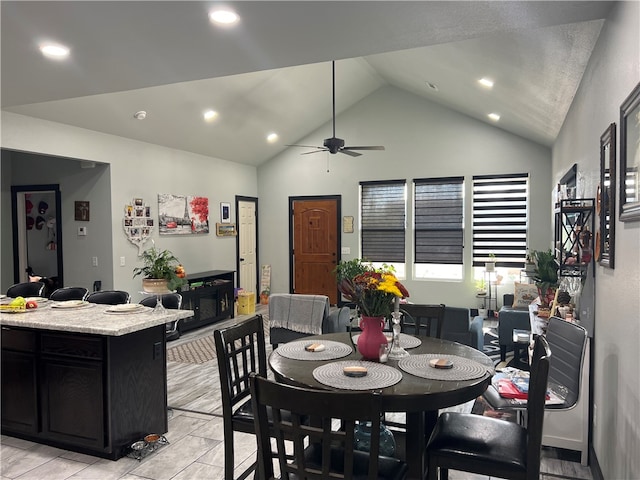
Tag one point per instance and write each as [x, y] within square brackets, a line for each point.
[334, 144]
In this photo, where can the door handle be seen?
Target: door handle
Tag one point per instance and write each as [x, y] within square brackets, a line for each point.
[242, 259]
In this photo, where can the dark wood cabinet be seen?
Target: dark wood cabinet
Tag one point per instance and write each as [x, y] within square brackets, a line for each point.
[210, 295]
[89, 393]
[19, 381]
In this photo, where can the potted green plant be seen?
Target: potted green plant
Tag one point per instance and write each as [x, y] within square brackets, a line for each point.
[161, 271]
[545, 275]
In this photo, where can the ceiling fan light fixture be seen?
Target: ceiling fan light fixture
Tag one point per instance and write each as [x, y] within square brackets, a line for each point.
[494, 116]
[272, 137]
[140, 115]
[223, 16]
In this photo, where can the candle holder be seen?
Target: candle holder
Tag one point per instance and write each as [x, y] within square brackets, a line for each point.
[396, 352]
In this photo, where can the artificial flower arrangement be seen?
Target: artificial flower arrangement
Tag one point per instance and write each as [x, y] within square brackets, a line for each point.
[373, 290]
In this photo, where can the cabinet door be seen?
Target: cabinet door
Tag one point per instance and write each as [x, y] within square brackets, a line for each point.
[72, 401]
[19, 392]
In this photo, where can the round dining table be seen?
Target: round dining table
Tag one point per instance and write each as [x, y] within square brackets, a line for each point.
[420, 398]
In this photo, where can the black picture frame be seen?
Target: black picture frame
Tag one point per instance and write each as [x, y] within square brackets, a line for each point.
[630, 157]
[607, 197]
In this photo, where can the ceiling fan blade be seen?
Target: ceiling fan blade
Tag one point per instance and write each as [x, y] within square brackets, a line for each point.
[372, 147]
[349, 152]
[316, 151]
[303, 146]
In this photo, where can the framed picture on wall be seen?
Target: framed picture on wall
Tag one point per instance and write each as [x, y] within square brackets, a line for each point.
[81, 211]
[630, 157]
[607, 196]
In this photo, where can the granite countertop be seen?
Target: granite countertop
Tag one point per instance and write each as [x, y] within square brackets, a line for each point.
[92, 319]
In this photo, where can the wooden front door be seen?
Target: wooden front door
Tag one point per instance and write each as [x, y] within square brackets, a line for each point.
[316, 244]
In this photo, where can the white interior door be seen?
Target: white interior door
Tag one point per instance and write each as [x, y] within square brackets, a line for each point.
[247, 246]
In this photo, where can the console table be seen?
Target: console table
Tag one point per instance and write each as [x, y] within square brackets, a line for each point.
[210, 295]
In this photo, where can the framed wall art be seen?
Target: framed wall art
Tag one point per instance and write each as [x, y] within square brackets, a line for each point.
[226, 229]
[225, 212]
[182, 214]
[630, 157]
[81, 210]
[606, 201]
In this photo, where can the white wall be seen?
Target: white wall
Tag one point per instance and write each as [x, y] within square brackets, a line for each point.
[136, 170]
[422, 139]
[613, 71]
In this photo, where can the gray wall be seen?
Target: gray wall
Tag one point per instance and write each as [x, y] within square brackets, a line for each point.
[613, 71]
[131, 170]
[422, 139]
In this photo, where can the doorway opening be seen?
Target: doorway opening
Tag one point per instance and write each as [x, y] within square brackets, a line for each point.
[37, 234]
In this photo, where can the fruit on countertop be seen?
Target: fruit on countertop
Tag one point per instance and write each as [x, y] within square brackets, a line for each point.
[18, 302]
[31, 304]
[180, 272]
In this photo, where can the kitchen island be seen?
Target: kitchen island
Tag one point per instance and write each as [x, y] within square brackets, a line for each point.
[85, 379]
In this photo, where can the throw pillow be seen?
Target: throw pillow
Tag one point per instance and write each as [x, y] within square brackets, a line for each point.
[524, 294]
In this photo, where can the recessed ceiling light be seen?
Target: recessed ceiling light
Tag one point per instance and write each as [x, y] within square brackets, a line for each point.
[141, 115]
[52, 50]
[210, 115]
[223, 17]
[432, 86]
[486, 82]
[272, 137]
[494, 116]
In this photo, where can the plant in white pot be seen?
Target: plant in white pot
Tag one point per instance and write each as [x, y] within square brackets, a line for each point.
[161, 271]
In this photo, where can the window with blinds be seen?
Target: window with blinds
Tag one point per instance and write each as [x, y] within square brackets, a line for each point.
[500, 219]
[382, 216]
[438, 220]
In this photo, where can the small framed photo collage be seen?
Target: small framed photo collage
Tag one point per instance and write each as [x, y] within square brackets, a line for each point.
[137, 222]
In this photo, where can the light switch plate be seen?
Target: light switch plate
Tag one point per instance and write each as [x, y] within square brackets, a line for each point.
[345, 250]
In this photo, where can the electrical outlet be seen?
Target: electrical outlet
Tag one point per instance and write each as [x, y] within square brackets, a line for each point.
[345, 250]
[94, 261]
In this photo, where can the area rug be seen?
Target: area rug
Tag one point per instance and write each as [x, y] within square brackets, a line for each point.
[198, 351]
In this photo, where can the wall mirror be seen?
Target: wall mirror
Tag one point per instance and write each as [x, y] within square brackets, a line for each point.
[606, 200]
[630, 157]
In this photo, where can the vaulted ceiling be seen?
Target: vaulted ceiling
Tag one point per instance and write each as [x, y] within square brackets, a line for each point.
[272, 72]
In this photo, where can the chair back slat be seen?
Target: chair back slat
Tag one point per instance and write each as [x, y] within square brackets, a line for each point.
[69, 293]
[326, 419]
[420, 319]
[568, 342]
[26, 289]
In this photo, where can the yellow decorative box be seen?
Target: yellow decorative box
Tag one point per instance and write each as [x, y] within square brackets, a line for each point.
[246, 303]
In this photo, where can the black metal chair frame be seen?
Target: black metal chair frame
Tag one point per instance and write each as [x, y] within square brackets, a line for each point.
[168, 300]
[240, 351]
[26, 289]
[69, 293]
[490, 446]
[109, 297]
[330, 452]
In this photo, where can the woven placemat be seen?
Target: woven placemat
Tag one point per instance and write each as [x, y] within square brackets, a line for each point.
[296, 350]
[463, 368]
[406, 341]
[378, 375]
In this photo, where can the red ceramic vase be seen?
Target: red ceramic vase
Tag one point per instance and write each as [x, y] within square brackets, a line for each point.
[371, 337]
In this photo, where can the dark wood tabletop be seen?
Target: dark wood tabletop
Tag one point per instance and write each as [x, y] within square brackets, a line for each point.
[420, 398]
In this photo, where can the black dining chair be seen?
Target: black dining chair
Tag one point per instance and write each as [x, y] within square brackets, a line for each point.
[26, 289]
[168, 300]
[240, 350]
[491, 446]
[69, 293]
[323, 447]
[420, 319]
[109, 297]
